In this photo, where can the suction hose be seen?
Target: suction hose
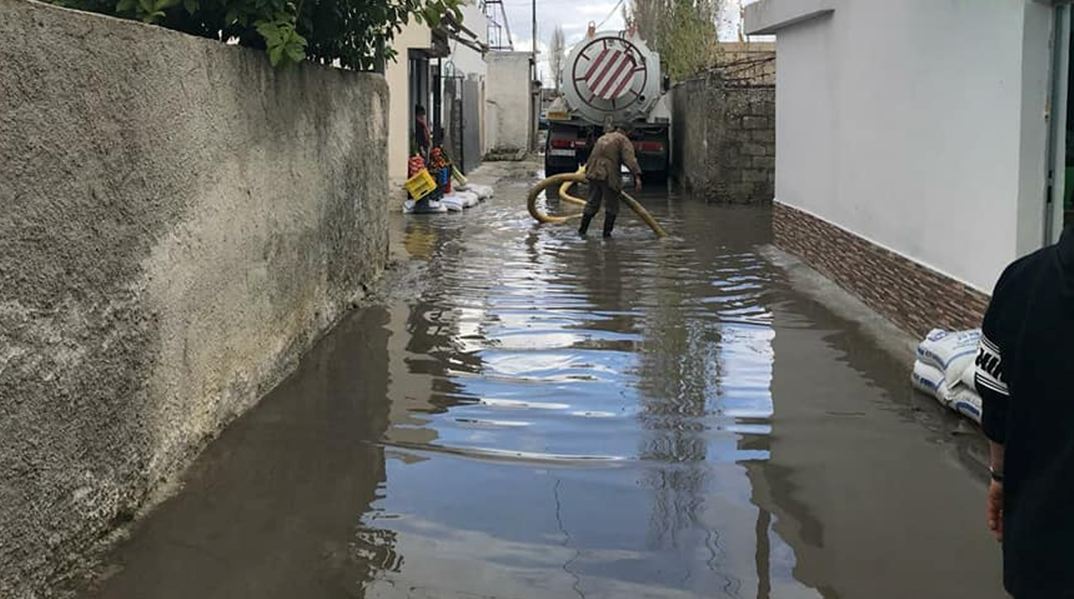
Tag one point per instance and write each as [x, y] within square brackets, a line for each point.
[643, 214]
[531, 199]
[565, 181]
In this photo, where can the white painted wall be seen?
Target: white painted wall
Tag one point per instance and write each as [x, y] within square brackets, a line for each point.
[508, 100]
[413, 35]
[917, 124]
[465, 59]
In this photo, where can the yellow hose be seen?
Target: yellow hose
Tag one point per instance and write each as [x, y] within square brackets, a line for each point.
[565, 195]
[565, 191]
[531, 200]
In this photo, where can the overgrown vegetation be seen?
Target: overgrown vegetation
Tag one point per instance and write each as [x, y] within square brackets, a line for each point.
[682, 31]
[354, 34]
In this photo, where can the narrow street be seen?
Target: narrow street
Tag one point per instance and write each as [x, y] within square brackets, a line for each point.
[527, 414]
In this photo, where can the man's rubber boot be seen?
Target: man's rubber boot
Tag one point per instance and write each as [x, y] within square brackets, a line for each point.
[586, 219]
[609, 224]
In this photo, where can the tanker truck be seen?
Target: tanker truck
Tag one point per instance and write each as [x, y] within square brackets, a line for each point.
[609, 76]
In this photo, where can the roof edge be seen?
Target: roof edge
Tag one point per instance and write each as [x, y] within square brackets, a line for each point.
[767, 17]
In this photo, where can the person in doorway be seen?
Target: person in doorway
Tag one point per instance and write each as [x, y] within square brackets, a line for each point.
[1024, 373]
[610, 153]
[423, 137]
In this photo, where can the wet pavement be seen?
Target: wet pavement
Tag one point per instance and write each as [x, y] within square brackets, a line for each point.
[531, 415]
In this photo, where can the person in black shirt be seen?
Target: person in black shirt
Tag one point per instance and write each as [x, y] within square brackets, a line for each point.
[1025, 376]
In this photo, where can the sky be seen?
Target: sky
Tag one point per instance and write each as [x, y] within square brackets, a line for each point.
[575, 15]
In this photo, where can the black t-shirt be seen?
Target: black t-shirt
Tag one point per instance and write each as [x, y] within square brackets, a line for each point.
[1025, 375]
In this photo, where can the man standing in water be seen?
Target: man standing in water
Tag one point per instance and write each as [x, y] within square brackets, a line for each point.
[611, 151]
[1025, 375]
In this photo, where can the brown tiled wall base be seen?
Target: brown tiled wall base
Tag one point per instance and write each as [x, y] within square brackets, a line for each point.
[914, 297]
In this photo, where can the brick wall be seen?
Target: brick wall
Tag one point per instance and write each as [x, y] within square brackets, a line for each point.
[914, 297]
[724, 138]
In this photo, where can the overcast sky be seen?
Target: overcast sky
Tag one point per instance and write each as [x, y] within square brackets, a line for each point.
[575, 15]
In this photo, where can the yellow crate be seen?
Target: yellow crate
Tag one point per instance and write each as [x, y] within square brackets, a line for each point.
[420, 185]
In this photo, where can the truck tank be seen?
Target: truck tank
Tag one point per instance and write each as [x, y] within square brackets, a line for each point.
[609, 76]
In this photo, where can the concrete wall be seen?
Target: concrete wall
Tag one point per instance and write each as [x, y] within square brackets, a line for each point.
[179, 222]
[401, 110]
[508, 113]
[724, 139]
[919, 125]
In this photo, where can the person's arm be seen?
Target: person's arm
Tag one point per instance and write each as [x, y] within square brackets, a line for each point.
[631, 160]
[991, 384]
[994, 510]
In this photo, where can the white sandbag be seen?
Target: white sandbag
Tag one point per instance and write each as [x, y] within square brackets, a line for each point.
[951, 352]
[966, 402]
[423, 207]
[969, 376]
[468, 198]
[930, 380]
[483, 192]
[453, 202]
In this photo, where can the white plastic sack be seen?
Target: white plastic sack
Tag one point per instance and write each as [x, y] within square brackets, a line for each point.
[966, 402]
[453, 202]
[468, 198]
[951, 352]
[426, 207]
[969, 376]
[483, 192]
[930, 380]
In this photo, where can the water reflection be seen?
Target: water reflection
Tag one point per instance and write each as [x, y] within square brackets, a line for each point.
[653, 357]
[541, 416]
[270, 509]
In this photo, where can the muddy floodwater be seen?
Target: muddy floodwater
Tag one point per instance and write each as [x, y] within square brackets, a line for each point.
[532, 415]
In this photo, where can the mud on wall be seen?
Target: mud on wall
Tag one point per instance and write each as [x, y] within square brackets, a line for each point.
[724, 139]
[179, 222]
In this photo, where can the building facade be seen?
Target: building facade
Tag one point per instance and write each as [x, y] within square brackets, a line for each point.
[443, 69]
[921, 145]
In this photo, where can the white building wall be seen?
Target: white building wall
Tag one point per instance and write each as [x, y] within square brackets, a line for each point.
[508, 100]
[467, 60]
[917, 124]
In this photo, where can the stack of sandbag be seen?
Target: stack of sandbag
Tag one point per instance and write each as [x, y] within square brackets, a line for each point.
[945, 369]
[423, 206]
[459, 199]
[483, 192]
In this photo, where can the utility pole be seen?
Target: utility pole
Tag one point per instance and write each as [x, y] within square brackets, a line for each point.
[535, 106]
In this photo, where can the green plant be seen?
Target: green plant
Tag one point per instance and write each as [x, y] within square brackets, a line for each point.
[682, 31]
[354, 34]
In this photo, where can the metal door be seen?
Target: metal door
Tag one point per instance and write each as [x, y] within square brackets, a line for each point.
[471, 125]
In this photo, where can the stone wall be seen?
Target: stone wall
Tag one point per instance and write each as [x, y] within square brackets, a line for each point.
[724, 139]
[180, 221]
[913, 296]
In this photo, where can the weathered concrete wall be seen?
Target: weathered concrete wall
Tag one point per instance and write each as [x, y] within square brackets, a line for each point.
[179, 222]
[724, 139]
[508, 114]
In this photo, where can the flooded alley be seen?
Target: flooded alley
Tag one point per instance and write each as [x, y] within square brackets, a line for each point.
[527, 414]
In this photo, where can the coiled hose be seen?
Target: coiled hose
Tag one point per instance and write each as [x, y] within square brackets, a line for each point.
[565, 182]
